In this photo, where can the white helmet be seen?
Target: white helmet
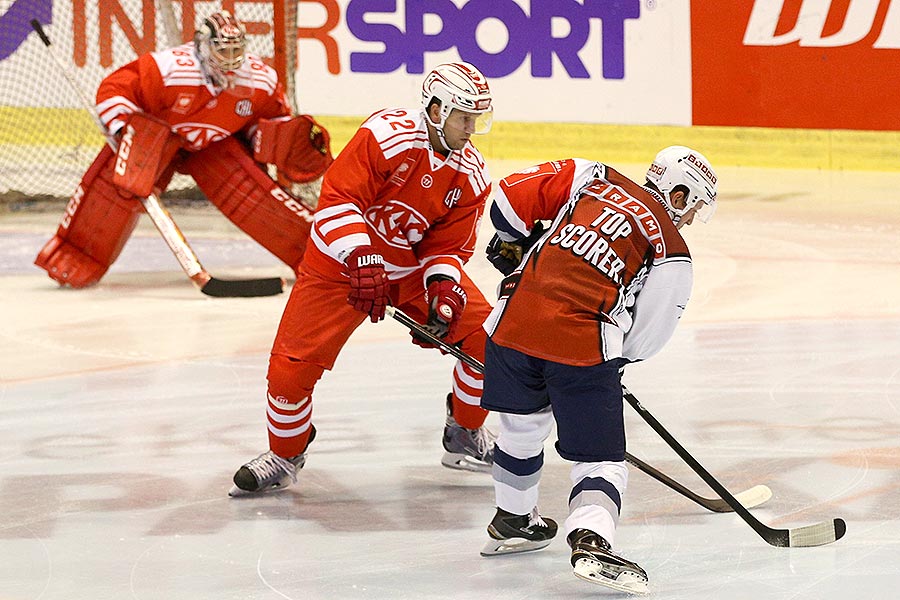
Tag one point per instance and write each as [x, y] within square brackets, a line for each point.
[680, 166]
[461, 86]
[220, 41]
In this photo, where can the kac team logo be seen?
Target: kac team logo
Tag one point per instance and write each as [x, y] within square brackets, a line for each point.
[397, 223]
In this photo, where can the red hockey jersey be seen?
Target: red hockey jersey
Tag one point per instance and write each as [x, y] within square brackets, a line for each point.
[172, 85]
[609, 278]
[390, 189]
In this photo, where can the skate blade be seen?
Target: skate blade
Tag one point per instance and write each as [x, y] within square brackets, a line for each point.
[464, 462]
[236, 492]
[512, 546]
[626, 581]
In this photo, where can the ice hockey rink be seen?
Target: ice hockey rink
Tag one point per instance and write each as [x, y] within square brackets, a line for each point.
[126, 408]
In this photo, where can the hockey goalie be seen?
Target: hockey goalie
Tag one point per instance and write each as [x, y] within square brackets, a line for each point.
[209, 110]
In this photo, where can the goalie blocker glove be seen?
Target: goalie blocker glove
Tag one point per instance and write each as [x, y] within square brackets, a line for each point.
[368, 282]
[506, 256]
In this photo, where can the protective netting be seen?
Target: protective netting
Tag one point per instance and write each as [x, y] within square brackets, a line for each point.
[47, 136]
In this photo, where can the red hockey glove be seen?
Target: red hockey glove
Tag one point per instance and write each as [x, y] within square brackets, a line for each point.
[368, 282]
[446, 302]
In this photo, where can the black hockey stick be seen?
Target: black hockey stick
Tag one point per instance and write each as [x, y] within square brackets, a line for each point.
[748, 498]
[161, 218]
[811, 535]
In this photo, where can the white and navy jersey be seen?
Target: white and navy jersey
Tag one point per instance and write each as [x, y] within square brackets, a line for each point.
[172, 85]
[388, 188]
[610, 277]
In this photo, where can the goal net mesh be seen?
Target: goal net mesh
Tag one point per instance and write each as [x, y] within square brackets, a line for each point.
[47, 136]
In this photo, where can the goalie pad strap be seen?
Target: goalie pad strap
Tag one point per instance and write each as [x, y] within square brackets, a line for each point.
[145, 149]
[249, 198]
[299, 147]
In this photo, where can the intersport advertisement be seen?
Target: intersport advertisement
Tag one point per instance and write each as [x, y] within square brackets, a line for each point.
[817, 64]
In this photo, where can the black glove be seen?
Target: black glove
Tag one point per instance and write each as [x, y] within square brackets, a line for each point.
[506, 256]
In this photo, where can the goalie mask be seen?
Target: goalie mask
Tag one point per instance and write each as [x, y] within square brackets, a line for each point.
[220, 43]
[679, 167]
[462, 87]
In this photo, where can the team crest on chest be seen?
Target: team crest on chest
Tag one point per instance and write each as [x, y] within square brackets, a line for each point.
[398, 224]
[244, 108]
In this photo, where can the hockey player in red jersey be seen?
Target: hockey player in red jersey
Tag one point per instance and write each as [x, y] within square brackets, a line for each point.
[612, 276]
[208, 109]
[396, 222]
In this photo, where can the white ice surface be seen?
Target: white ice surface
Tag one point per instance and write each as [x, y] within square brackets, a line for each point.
[126, 408]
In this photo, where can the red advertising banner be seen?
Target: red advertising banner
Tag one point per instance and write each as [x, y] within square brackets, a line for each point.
[820, 64]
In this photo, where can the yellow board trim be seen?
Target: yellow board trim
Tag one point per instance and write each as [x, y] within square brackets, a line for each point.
[724, 146]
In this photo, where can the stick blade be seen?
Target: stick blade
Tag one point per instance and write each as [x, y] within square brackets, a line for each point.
[243, 288]
[755, 496]
[817, 535]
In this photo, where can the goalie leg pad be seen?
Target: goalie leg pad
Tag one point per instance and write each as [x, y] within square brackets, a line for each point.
[98, 221]
[145, 150]
[248, 197]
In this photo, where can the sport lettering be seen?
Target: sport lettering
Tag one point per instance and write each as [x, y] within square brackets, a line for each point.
[531, 37]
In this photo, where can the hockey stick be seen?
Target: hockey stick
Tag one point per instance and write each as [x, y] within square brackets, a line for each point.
[748, 498]
[161, 218]
[811, 535]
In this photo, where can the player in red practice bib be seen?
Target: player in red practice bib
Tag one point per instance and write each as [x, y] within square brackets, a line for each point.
[604, 285]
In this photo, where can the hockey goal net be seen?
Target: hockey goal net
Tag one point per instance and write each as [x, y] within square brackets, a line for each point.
[47, 137]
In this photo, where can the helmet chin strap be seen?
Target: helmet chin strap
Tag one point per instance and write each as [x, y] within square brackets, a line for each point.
[440, 134]
[439, 130]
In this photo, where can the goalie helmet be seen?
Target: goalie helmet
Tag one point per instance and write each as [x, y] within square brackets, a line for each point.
[220, 42]
[460, 86]
[680, 167]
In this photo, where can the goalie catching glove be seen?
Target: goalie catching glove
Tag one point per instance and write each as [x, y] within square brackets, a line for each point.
[506, 256]
[368, 282]
[446, 301]
[299, 147]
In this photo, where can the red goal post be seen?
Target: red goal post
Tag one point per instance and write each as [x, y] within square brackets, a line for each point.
[47, 139]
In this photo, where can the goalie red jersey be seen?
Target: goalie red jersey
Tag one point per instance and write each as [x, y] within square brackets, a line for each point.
[171, 85]
[380, 194]
[609, 278]
[206, 109]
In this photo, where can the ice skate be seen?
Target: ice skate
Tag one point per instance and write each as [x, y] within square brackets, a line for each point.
[593, 560]
[512, 533]
[268, 472]
[467, 449]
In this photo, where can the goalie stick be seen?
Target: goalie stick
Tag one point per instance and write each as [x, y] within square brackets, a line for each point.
[174, 238]
[748, 498]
